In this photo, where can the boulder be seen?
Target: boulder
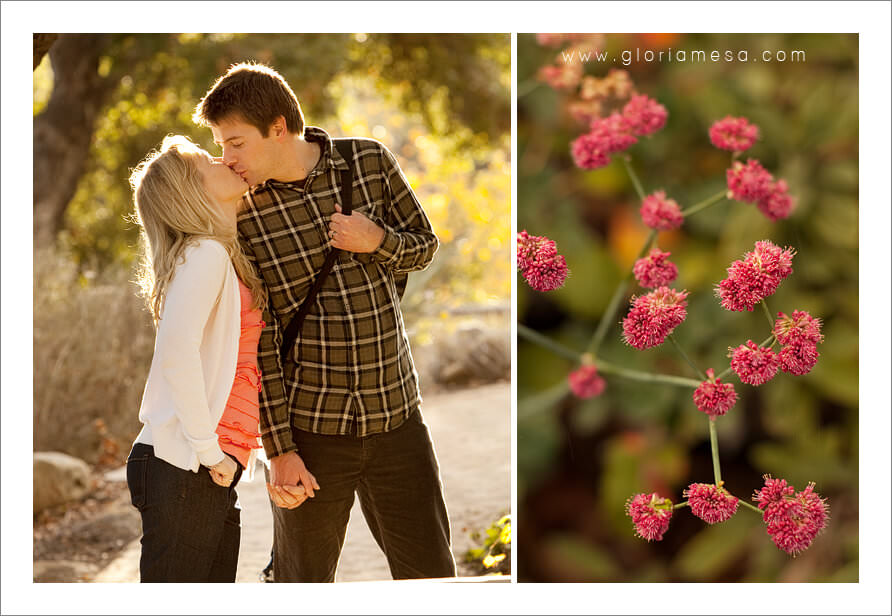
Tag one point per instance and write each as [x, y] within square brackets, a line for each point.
[474, 354]
[58, 478]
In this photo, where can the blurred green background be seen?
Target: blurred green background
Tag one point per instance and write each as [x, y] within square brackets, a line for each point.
[102, 102]
[578, 461]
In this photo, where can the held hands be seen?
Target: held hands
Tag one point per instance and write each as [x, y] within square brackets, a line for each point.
[290, 481]
[354, 233]
[223, 472]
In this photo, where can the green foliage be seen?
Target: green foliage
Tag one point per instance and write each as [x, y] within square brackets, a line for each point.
[493, 557]
[641, 437]
[442, 100]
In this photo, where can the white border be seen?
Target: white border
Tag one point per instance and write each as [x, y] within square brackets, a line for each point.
[870, 19]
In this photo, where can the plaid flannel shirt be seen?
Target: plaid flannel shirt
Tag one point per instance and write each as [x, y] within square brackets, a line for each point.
[350, 370]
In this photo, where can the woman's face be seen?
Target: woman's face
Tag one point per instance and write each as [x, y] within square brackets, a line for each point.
[223, 185]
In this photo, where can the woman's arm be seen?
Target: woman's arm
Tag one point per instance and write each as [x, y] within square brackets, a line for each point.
[191, 296]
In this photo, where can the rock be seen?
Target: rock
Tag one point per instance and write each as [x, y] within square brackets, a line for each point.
[58, 478]
[472, 355]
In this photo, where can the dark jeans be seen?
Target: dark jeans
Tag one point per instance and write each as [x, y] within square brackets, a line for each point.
[397, 479]
[191, 527]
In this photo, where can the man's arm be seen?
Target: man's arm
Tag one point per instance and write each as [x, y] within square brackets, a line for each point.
[409, 243]
[286, 466]
[275, 421]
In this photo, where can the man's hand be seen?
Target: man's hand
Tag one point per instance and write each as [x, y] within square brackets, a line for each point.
[290, 483]
[354, 233]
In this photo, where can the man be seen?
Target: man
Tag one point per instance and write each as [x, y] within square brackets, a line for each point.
[340, 415]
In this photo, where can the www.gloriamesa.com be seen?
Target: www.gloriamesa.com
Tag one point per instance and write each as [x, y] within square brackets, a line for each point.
[695, 56]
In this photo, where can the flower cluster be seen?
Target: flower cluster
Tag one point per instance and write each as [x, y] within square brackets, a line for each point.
[711, 503]
[755, 277]
[650, 514]
[607, 136]
[596, 93]
[661, 213]
[539, 262]
[754, 365]
[617, 132]
[800, 335]
[793, 520]
[714, 397]
[585, 381]
[733, 134]
[654, 316]
[751, 183]
[655, 270]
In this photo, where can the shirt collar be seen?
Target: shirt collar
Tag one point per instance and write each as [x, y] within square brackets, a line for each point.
[330, 158]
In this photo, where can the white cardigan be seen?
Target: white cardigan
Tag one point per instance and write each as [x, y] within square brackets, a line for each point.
[194, 363]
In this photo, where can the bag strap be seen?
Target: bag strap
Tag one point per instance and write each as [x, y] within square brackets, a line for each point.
[345, 148]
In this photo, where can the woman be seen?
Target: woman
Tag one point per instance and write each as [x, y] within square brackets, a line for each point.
[200, 405]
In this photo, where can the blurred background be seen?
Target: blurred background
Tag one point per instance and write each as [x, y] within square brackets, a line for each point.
[102, 102]
[579, 460]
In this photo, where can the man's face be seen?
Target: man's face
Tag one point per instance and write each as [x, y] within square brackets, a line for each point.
[245, 150]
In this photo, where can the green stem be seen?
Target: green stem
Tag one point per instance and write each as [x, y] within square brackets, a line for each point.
[714, 444]
[526, 87]
[545, 342]
[686, 358]
[768, 314]
[753, 507]
[680, 505]
[716, 198]
[646, 377]
[604, 367]
[613, 305]
[635, 181]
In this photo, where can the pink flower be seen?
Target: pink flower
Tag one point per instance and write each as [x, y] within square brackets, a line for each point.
[589, 152]
[654, 316]
[798, 358]
[753, 364]
[607, 136]
[775, 491]
[540, 263]
[799, 328]
[749, 182]
[655, 270]
[650, 514]
[644, 115]
[714, 397]
[756, 277]
[710, 503]
[793, 521]
[561, 77]
[733, 134]
[661, 213]
[585, 382]
[776, 204]
[550, 39]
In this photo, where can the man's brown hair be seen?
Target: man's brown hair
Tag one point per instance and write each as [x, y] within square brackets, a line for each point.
[254, 93]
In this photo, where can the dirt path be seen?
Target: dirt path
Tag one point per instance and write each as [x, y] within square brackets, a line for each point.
[472, 436]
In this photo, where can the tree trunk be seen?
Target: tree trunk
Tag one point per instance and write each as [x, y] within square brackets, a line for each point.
[64, 130]
[42, 44]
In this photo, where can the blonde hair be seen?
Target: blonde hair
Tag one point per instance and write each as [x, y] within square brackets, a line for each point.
[173, 211]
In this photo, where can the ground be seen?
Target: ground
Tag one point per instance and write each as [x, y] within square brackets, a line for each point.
[98, 539]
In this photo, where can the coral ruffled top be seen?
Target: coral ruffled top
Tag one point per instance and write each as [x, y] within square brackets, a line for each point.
[238, 430]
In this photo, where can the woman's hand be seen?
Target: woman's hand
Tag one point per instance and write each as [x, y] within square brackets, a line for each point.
[223, 472]
[287, 496]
